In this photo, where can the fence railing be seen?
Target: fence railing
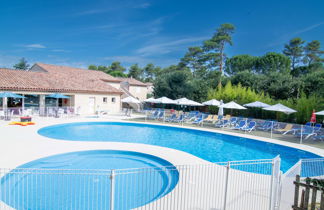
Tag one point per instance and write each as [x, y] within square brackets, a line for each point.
[255, 184]
[59, 112]
[230, 185]
[313, 168]
[312, 135]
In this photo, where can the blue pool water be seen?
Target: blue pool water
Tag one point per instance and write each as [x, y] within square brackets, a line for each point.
[26, 188]
[210, 146]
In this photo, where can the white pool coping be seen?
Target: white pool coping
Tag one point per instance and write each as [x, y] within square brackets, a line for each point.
[20, 145]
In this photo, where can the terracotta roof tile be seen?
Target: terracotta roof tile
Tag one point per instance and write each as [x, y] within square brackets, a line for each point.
[56, 79]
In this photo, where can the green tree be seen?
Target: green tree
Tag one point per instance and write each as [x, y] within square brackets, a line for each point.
[92, 67]
[22, 64]
[294, 50]
[240, 63]
[215, 47]
[135, 72]
[245, 78]
[313, 52]
[193, 59]
[150, 72]
[174, 84]
[273, 62]
[314, 83]
[116, 66]
[103, 68]
[279, 85]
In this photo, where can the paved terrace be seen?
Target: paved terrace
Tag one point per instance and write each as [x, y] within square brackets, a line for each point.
[20, 145]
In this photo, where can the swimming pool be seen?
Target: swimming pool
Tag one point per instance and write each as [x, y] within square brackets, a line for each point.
[210, 146]
[57, 185]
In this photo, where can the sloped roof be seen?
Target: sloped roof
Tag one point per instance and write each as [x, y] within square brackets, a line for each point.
[131, 81]
[56, 79]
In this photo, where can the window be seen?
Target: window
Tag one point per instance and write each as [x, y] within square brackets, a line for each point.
[104, 100]
[113, 99]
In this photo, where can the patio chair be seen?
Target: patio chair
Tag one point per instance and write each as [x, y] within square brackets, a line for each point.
[221, 123]
[180, 118]
[233, 121]
[199, 120]
[284, 130]
[171, 118]
[310, 131]
[60, 112]
[160, 116]
[215, 119]
[209, 118]
[240, 126]
[153, 115]
[267, 125]
[250, 127]
[228, 117]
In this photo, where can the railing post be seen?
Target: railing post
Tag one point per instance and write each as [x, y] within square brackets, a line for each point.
[301, 134]
[145, 115]
[274, 185]
[271, 128]
[112, 189]
[228, 167]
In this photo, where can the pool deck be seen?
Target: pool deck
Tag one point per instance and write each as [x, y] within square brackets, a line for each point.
[20, 145]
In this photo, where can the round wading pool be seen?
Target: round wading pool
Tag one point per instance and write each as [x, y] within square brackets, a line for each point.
[213, 147]
[53, 183]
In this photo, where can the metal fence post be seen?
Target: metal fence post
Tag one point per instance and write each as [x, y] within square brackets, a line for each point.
[112, 189]
[301, 134]
[228, 167]
[271, 128]
[145, 115]
[274, 185]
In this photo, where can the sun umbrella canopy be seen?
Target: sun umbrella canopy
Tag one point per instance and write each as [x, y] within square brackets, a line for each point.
[150, 100]
[10, 95]
[187, 102]
[164, 100]
[57, 95]
[320, 113]
[280, 108]
[212, 102]
[232, 105]
[257, 104]
[130, 99]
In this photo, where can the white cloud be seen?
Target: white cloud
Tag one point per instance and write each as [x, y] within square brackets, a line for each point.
[308, 28]
[38, 46]
[167, 47]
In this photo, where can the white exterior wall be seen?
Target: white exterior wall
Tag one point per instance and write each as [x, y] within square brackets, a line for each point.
[139, 92]
[83, 104]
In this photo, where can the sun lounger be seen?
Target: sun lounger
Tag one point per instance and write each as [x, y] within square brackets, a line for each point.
[209, 118]
[171, 118]
[222, 123]
[284, 130]
[199, 120]
[241, 125]
[249, 127]
[179, 119]
[153, 115]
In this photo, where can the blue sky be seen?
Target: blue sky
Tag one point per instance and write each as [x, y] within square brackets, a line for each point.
[79, 32]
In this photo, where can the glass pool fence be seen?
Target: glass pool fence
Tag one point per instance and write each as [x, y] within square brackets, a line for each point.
[256, 184]
[308, 134]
